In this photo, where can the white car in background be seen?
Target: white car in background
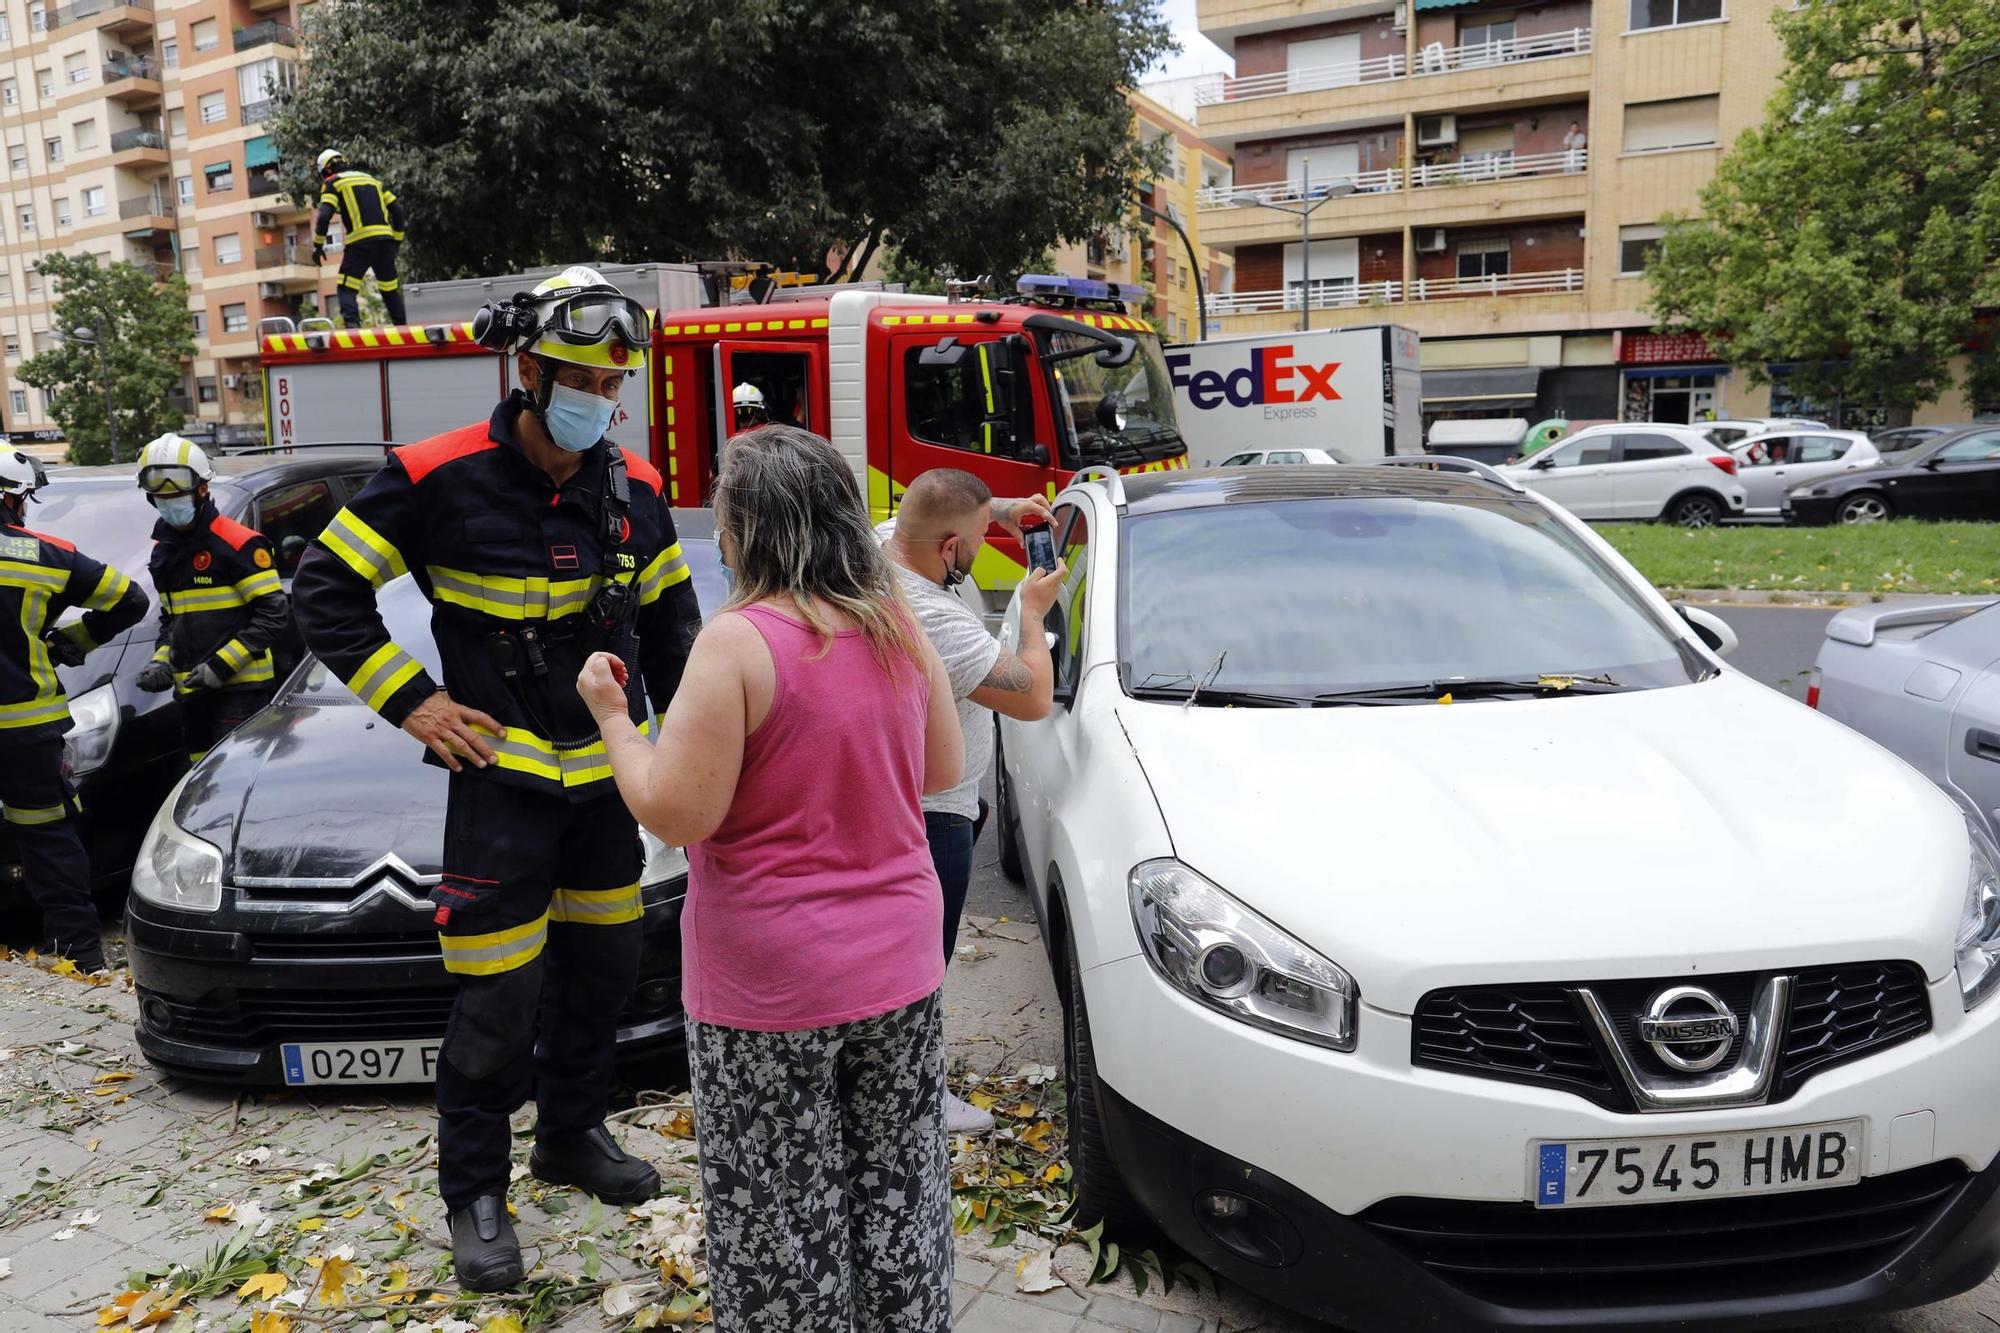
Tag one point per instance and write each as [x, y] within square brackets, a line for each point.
[1729, 433]
[1771, 464]
[1501, 1014]
[1277, 458]
[1638, 470]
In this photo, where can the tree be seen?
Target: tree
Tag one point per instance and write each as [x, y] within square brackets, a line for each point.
[1856, 233]
[141, 328]
[795, 131]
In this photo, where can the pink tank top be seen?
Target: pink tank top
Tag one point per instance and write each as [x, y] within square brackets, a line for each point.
[816, 902]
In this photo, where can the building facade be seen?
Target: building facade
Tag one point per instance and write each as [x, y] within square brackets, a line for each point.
[134, 131]
[1492, 174]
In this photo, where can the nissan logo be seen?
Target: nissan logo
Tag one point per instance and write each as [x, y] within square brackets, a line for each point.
[1689, 1028]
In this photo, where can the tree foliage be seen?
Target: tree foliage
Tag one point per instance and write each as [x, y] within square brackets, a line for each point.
[142, 328]
[1856, 233]
[795, 131]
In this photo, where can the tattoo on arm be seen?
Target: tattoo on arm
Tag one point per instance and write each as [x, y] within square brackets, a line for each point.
[1009, 673]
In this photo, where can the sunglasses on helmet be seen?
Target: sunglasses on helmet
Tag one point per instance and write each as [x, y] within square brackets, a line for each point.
[167, 479]
[598, 317]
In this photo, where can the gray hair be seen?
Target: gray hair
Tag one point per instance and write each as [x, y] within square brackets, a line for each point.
[788, 504]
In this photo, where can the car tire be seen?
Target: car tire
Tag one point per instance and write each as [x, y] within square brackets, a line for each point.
[1099, 1191]
[1864, 507]
[1698, 509]
[1008, 817]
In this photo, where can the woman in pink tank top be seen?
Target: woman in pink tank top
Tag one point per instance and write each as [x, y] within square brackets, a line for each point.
[812, 719]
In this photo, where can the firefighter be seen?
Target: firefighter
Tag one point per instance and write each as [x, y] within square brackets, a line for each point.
[40, 578]
[748, 403]
[222, 607]
[373, 220]
[537, 542]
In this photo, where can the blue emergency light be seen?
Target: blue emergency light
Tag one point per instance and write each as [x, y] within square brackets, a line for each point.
[1078, 289]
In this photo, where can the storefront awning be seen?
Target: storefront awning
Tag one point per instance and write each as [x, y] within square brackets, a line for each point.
[1443, 4]
[1510, 390]
[259, 152]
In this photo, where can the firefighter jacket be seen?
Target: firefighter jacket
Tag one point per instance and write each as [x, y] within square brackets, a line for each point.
[513, 566]
[220, 600]
[40, 578]
[367, 208]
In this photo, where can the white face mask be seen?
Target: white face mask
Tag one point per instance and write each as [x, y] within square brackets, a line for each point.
[575, 419]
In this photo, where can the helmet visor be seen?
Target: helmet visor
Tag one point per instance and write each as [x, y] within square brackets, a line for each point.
[597, 318]
[167, 479]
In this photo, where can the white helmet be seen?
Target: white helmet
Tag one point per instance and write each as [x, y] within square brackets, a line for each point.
[747, 395]
[173, 465]
[20, 474]
[328, 157]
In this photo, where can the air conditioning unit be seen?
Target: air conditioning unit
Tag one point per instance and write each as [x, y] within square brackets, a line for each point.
[231, 381]
[263, 219]
[1430, 240]
[1437, 131]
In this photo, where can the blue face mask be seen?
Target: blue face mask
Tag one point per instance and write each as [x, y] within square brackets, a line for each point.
[575, 419]
[178, 510]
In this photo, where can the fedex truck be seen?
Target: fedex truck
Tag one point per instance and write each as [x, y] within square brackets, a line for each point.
[1356, 393]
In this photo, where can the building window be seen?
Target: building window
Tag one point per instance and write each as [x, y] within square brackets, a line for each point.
[214, 106]
[1635, 244]
[204, 389]
[18, 400]
[207, 36]
[184, 189]
[63, 218]
[6, 286]
[1487, 38]
[170, 54]
[45, 79]
[6, 29]
[93, 202]
[1487, 257]
[53, 147]
[48, 397]
[177, 122]
[220, 176]
[201, 323]
[1673, 13]
[1678, 122]
[236, 318]
[74, 69]
[34, 278]
[229, 249]
[13, 349]
[38, 17]
[28, 227]
[17, 156]
[10, 92]
[85, 134]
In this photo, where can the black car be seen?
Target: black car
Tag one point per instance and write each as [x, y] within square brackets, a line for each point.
[1955, 476]
[126, 750]
[277, 928]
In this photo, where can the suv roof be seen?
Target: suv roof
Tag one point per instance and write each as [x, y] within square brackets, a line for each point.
[1151, 492]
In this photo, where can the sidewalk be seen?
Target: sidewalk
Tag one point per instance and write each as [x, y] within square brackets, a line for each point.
[111, 1172]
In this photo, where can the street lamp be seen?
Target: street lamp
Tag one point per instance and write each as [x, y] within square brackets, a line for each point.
[1171, 216]
[87, 336]
[1310, 198]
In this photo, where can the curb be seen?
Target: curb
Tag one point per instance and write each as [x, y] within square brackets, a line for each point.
[1804, 599]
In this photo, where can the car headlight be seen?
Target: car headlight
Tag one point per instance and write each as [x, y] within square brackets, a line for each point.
[174, 868]
[89, 742]
[664, 863]
[1978, 940]
[1219, 953]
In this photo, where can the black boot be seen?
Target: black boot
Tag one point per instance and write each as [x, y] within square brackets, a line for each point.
[484, 1253]
[592, 1161]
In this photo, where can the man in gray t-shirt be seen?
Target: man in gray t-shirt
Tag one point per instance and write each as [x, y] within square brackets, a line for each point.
[933, 540]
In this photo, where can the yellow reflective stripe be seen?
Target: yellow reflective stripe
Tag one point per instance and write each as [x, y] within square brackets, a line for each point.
[30, 815]
[597, 907]
[33, 713]
[522, 751]
[233, 655]
[387, 670]
[261, 669]
[34, 615]
[364, 550]
[668, 568]
[512, 598]
[21, 574]
[495, 951]
[261, 584]
[110, 589]
[191, 601]
[79, 636]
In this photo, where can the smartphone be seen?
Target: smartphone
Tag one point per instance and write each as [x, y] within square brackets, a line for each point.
[1040, 544]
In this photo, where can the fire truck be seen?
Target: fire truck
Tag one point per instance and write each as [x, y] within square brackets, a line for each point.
[1022, 392]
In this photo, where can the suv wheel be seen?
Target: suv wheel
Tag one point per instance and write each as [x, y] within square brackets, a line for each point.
[1865, 507]
[1695, 511]
[1009, 818]
[1100, 1191]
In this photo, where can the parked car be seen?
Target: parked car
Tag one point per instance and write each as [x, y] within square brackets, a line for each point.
[1730, 432]
[1488, 439]
[1641, 470]
[1277, 457]
[1955, 476]
[1903, 439]
[278, 930]
[1923, 681]
[1501, 1014]
[1770, 465]
[126, 749]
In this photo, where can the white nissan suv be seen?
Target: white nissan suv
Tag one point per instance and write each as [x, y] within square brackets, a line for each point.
[1421, 965]
[1640, 470]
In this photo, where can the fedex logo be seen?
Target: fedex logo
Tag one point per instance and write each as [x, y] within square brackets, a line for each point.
[1271, 377]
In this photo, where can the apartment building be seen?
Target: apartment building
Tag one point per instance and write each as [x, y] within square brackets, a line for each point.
[1152, 254]
[1492, 174]
[133, 130]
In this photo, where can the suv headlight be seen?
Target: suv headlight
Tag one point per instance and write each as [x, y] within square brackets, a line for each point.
[1979, 928]
[174, 868]
[1219, 953]
[664, 863]
[89, 742]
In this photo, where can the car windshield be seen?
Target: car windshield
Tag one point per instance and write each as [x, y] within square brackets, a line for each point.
[107, 519]
[1322, 595]
[1145, 393]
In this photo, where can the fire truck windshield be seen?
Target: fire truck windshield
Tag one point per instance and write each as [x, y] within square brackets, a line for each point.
[1145, 401]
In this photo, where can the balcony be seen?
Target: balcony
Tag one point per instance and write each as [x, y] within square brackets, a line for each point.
[139, 149]
[134, 82]
[268, 33]
[1326, 296]
[119, 17]
[145, 215]
[1312, 79]
[284, 269]
[1436, 307]
[256, 113]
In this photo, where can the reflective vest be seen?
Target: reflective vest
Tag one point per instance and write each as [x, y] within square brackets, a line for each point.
[40, 578]
[366, 207]
[221, 601]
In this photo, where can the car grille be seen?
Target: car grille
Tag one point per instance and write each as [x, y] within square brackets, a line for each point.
[1540, 1034]
[332, 947]
[250, 1018]
[1516, 1255]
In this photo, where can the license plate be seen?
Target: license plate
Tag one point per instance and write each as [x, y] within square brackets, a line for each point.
[1597, 1173]
[360, 1062]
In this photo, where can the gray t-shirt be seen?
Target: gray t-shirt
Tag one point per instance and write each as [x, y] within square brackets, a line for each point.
[969, 653]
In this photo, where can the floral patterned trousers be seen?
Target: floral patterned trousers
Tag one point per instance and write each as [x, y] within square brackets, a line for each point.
[826, 1186]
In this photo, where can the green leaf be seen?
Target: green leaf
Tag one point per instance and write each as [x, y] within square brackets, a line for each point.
[592, 1263]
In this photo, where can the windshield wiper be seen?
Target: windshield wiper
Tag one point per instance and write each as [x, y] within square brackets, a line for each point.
[1495, 687]
[1211, 697]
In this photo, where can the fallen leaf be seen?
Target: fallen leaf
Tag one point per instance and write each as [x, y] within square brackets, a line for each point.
[91, 1145]
[1052, 1174]
[263, 1287]
[501, 1323]
[115, 1312]
[252, 1157]
[65, 968]
[985, 1101]
[89, 1217]
[67, 1233]
[113, 1076]
[6, 1269]
[153, 1307]
[270, 1321]
[679, 1125]
[311, 1223]
[1024, 1111]
[1033, 1273]
[335, 1272]
[622, 1298]
[1036, 1136]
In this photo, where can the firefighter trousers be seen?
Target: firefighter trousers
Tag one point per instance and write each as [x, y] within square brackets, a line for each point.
[41, 812]
[540, 899]
[377, 253]
[209, 715]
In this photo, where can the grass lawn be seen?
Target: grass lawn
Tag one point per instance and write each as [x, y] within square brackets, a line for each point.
[1902, 556]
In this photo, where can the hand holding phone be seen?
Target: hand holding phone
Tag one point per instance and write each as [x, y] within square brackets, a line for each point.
[1039, 541]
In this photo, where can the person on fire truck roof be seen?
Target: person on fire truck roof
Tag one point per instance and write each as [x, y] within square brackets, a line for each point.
[538, 542]
[373, 221]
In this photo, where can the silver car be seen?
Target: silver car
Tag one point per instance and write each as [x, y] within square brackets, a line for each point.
[1922, 679]
[1770, 464]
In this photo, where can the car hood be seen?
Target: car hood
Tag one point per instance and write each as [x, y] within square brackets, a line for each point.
[1701, 829]
[321, 791]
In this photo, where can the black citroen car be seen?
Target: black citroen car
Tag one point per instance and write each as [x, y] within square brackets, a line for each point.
[277, 928]
[1952, 476]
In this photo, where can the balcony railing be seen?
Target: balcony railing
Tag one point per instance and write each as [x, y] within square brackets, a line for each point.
[262, 183]
[1291, 192]
[256, 113]
[1345, 295]
[136, 67]
[124, 140]
[278, 256]
[83, 9]
[1426, 175]
[145, 206]
[1436, 58]
[265, 34]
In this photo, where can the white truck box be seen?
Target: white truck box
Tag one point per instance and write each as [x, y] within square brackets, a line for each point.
[1356, 393]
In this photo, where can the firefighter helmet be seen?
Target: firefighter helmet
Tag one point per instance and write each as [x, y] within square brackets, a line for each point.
[584, 320]
[173, 465]
[330, 159]
[20, 474]
[747, 395]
